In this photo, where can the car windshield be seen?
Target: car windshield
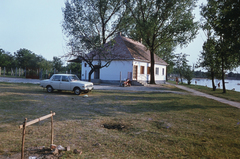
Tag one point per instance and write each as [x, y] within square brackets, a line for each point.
[74, 78]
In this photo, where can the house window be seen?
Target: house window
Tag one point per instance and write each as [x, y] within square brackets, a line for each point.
[141, 69]
[85, 64]
[148, 70]
[157, 71]
[163, 71]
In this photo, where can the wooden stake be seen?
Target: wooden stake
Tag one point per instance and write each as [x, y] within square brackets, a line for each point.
[37, 120]
[52, 128]
[23, 137]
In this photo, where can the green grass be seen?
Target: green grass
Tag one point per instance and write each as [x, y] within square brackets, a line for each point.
[229, 95]
[156, 125]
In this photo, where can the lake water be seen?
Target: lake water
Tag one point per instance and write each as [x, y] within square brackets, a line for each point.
[229, 84]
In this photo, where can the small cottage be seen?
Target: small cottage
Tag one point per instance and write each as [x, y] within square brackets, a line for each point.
[132, 61]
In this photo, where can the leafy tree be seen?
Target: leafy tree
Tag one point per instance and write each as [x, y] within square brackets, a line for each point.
[89, 25]
[26, 59]
[181, 64]
[7, 60]
[158, 23]
[74, 67]
[43, 63]
[209, 56]
[188, 74]
[166, 52]
[57, 63]
[223, 17]
[85, 18]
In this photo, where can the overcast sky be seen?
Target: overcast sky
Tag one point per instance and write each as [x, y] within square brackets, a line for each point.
[36, 26]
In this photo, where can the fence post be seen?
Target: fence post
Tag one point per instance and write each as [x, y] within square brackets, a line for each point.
[23, 138]
[51, 128]
[0, 71]
[40, 73]
[25, 72]
[19, 72]
[16, 72]
[120, 78]
[4, 71]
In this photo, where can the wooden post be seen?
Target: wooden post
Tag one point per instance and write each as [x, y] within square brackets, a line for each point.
[120, 78]
[23, 138]
[52, 128]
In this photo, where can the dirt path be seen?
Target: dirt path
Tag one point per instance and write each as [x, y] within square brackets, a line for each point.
[225, 101]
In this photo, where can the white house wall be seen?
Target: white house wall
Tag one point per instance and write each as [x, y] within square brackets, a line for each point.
[112, 72]
[159, 78]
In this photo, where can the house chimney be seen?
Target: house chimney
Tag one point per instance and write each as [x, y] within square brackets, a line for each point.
[119, 33]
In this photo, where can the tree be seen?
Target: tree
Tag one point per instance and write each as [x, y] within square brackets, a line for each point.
[158, 23]
[188, 74]
[57, 63]
[209, 56]
[26, 59]
[93, 18]
[166, 52]
[223, 17]
[43, 63]
[7, 60]
[89, 25]
[181, 64]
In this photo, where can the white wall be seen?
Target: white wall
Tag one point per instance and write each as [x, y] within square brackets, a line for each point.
[161, 76]
[112, 72]
[162, 73]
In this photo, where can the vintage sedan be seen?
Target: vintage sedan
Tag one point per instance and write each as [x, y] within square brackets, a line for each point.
[68, 82]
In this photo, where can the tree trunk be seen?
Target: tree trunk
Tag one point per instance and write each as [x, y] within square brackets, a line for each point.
[223, 74]
[90, 74]
[166, 74]
[213, 84]
[152, 77]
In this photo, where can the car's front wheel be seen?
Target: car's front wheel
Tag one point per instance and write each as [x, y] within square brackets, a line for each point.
[49, 89]
[77, 91]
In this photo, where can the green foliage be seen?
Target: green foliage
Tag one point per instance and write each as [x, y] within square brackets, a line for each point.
[91, 18]
[89, 25]
[188, 74]
[159, 23]
[166, 52]
[57, 63]
[7, 59]
[223, 18]
[181, 65]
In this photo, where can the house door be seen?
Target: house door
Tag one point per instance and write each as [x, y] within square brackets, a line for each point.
[96, 73]
[135, 68]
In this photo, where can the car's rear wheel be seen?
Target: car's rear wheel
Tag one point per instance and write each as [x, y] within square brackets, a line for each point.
[77, 91]
[49, 89]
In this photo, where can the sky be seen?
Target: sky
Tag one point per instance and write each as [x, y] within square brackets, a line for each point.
[36, 25]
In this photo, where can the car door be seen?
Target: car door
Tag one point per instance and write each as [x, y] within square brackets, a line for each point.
[65, 83]
[55, 82]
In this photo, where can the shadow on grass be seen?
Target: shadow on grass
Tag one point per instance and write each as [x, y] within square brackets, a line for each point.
[33, 103]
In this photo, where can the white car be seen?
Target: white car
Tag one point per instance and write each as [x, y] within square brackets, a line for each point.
[68, 82]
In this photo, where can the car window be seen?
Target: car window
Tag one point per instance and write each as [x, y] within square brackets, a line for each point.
[65, 78]
[73, 78]
[56, 78]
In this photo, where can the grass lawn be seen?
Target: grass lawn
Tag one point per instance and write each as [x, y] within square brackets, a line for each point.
[153, 125]
[230, 95]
